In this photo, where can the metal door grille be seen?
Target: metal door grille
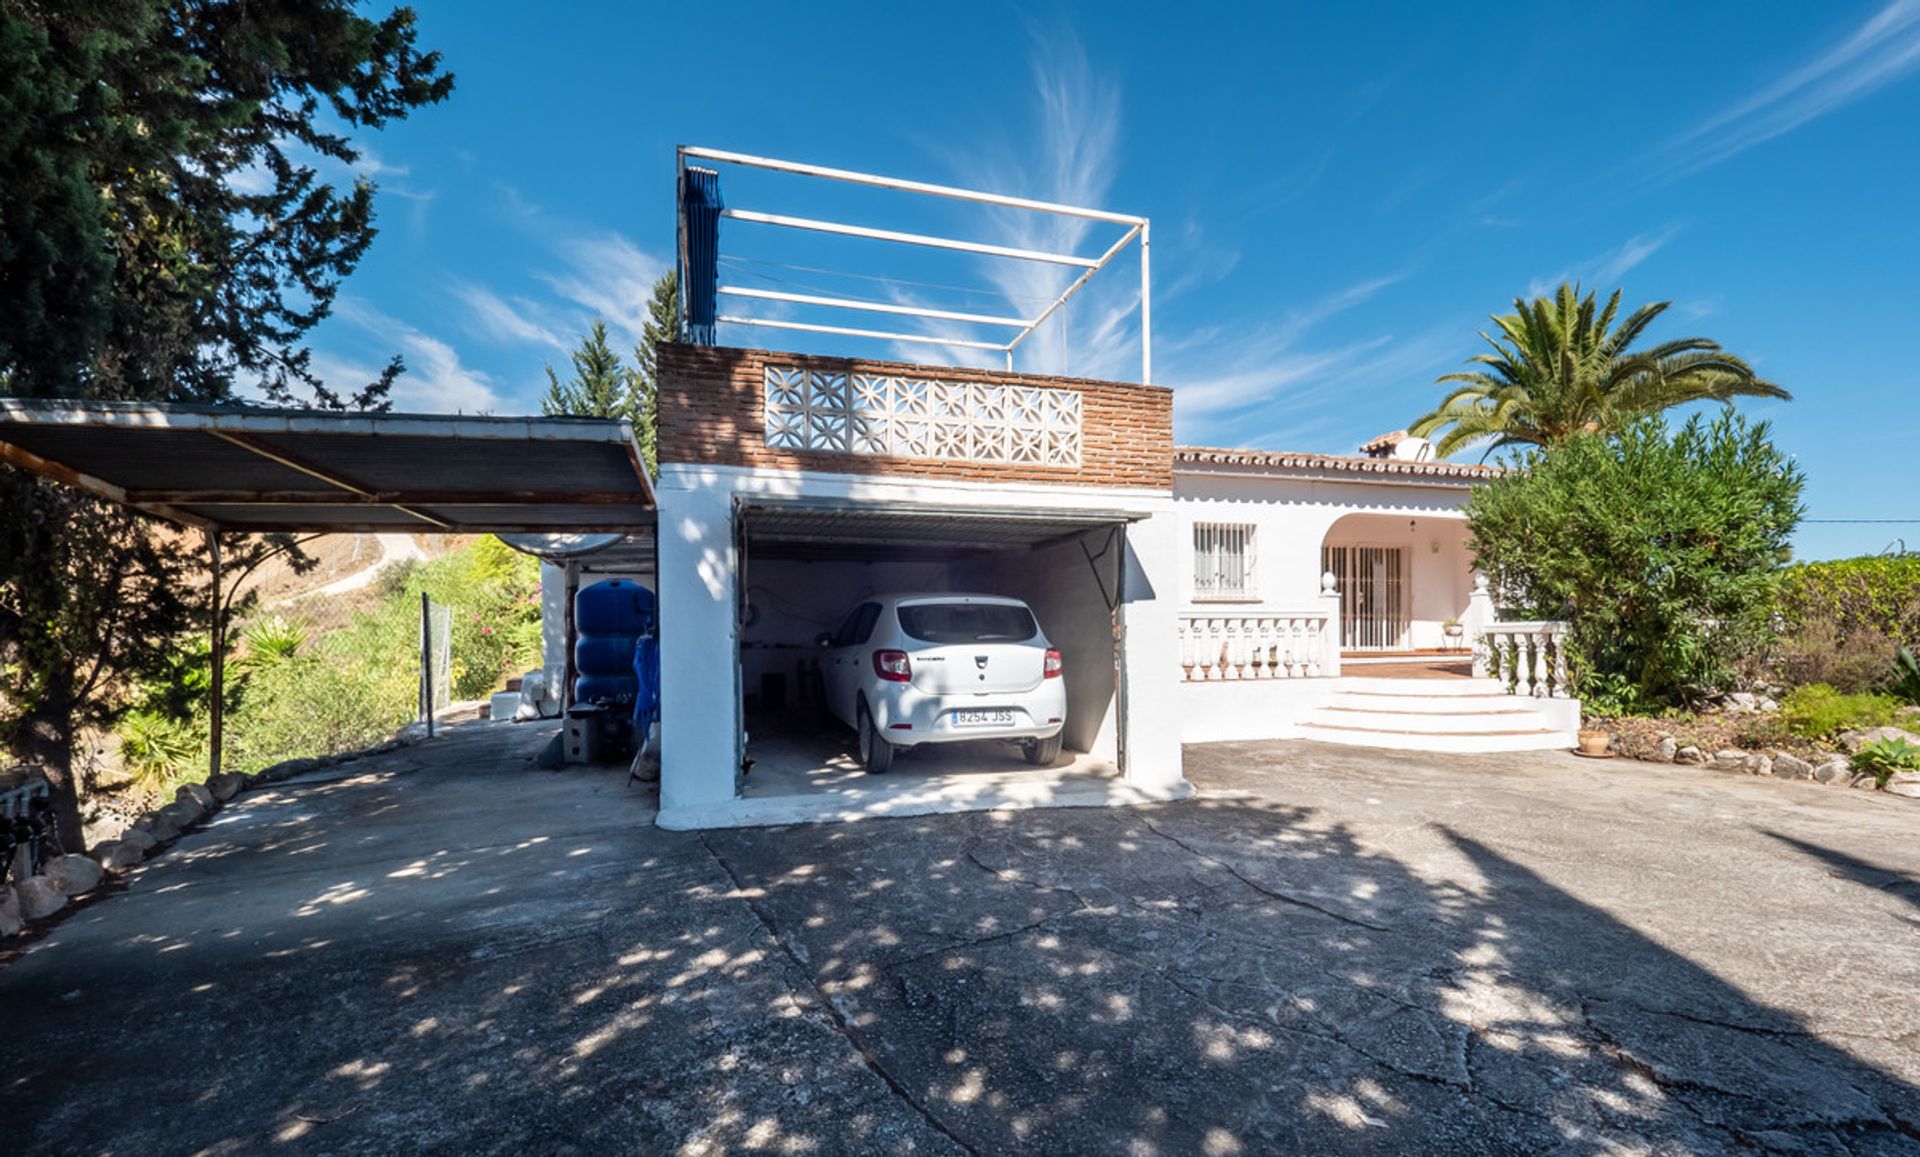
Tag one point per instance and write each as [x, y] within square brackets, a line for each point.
[1373, 595]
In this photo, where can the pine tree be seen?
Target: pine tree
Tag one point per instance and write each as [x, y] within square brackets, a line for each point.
[601, 387]
[662, 325]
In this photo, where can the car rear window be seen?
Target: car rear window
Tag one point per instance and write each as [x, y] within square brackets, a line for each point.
[968, 623]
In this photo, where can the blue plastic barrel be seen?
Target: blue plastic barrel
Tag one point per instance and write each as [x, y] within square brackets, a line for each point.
[609, 619]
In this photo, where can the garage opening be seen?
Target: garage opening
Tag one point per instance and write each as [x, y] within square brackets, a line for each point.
[828, 651]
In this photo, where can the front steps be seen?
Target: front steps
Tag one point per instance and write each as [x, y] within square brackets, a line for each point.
[1447, 715]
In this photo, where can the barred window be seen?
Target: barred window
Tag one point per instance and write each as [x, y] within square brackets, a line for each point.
[1223, 561]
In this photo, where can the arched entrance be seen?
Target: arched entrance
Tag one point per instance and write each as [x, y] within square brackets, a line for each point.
[1401, 579]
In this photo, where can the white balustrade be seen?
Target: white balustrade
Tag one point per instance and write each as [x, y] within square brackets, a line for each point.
[1224, 648]
[1527, 658]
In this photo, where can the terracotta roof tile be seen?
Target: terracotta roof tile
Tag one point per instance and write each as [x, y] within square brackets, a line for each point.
[1384, 442]
[1286, 460]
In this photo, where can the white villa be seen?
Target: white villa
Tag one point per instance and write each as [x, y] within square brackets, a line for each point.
[1196, 594]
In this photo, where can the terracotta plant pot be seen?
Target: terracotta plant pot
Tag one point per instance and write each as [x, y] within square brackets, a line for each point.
[1594, 742]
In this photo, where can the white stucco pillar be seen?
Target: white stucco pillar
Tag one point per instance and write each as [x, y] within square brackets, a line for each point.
[1480, 613]
[1151, 661]
[1330, 604]
[1474, 624]
[553, 633]
[699, 699]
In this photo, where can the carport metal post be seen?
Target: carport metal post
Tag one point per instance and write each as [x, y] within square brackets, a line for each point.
[426, 661]
[216, 710]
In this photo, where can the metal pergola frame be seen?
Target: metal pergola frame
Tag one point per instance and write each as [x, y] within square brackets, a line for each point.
[1136, 227]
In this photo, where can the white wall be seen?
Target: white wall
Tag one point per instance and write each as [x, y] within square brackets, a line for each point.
[699, 676]
[1251, 709]
[1066, 596]
[1295, 517]
[700, 704]
[553, 628]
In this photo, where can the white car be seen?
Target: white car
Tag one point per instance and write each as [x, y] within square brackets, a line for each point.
[908, 669]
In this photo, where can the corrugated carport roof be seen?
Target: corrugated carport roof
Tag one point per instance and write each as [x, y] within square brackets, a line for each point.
[249, 469]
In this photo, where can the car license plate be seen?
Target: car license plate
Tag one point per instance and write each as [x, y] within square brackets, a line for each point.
[983, 717]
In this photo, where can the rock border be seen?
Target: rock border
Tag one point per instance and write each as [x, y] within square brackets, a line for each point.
[65, 877]
[1834, 769]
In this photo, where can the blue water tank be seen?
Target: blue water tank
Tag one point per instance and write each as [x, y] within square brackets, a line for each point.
[609, 618]
[613, 607]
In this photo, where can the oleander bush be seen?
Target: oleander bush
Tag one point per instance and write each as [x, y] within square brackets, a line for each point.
[1660, 548]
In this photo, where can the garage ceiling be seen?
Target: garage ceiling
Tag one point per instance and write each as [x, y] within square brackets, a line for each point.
[901, 532]
[251, 469]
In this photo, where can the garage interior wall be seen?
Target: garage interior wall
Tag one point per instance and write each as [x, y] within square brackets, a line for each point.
[1072, 600]
[795, 599]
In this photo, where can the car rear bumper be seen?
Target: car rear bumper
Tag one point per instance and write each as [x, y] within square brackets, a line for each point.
[909, 717]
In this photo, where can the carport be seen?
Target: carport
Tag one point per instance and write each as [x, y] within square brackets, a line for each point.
[220, 469]
[805, 563]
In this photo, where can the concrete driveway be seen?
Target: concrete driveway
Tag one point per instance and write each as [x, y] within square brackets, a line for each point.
[1331, 951]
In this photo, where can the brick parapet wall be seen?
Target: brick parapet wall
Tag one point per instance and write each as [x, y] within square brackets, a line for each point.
[712, 410]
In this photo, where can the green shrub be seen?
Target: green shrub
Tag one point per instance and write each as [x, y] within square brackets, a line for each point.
[1818, 651]
[297, 688]
[1879, 594]
[1659, 547]
[1883, 757]
[1818, 711]
[1846, 622]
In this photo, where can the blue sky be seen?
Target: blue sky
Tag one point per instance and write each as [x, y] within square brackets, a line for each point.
[1340, 195]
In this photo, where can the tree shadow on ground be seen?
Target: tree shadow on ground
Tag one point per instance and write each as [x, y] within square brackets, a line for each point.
[1212, 976]
[1890, 881]
[1236, 977]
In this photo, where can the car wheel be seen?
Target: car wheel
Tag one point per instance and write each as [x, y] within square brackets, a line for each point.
[875, 752]
[1042, 752]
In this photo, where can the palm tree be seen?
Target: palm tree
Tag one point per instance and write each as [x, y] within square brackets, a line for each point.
[1560, 368]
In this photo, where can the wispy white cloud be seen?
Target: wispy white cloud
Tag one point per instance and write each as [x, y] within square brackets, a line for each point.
[1355, 390]
[1067, 153]
[1603, 271]
[515, 321]
[1223, 377]
[435, 380]
[1637, 249]
[1262, 366]
[257, 178]
[1221, 371]
[1882, 50]
[608, 277]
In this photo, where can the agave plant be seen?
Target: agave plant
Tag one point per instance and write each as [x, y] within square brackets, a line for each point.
[1883, 757]
[1561, 367]
[156, 748]
[1905, 680]
[270, 642]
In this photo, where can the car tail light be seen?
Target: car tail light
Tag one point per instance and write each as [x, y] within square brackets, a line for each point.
[1053, 667]
[892, 666]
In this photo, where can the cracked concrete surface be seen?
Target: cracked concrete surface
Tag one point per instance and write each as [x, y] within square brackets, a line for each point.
[1331, 951]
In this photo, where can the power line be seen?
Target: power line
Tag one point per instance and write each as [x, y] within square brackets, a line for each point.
[1865, 521]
